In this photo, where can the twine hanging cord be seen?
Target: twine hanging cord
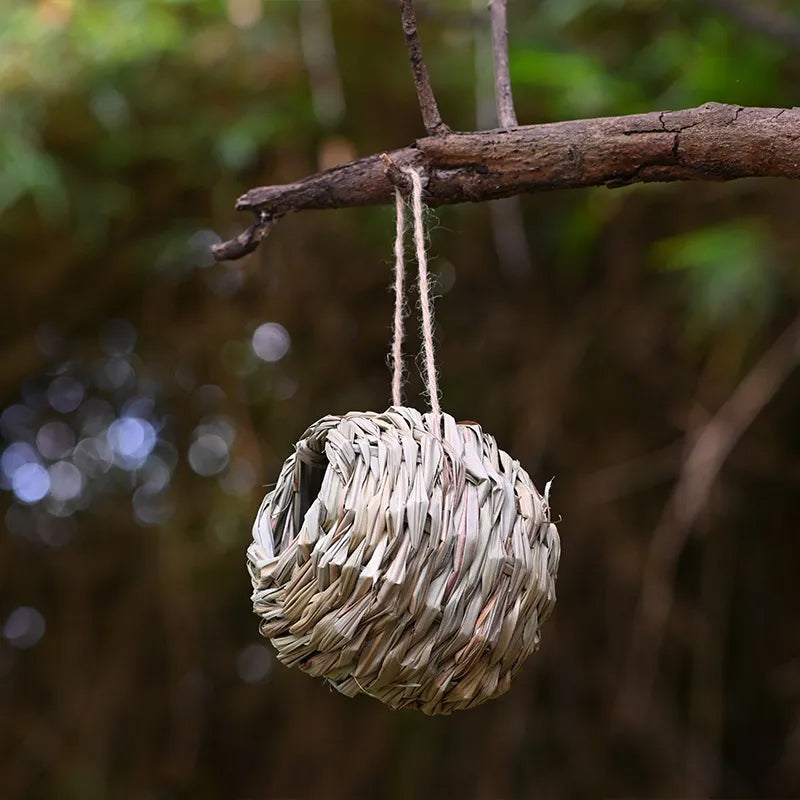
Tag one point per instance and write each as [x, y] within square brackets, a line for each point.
[424, 288]
[396, 356]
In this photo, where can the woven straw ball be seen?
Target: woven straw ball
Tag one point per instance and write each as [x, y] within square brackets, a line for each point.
[404, 557]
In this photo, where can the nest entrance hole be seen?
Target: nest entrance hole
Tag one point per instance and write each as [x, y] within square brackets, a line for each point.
[312, 473]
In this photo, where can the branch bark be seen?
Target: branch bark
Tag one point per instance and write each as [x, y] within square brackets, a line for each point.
[711, 142]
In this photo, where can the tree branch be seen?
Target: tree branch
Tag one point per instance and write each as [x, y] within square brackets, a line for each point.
[506, 116]
[712, 142]
[427, 102]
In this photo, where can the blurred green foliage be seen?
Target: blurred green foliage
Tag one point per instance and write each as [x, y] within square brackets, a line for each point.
[728, 268]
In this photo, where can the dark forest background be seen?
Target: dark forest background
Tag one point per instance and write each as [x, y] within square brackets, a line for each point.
[148, 396]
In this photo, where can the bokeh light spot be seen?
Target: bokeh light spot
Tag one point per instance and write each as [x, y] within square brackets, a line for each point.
[24, 627]
[66, 481]
[271, 341]
[208, 454]
[93, 455]
[30, 482]
[244, 13]
[284, 387]
[155, 474]
[110, 108]
[96, 415]
[65, 393]
[151, 507]
[14, 456]
[116, 373]
[254, 663]
[199, 248]
[209, 395]
[132, 439]
[55, 440]
[16, 420]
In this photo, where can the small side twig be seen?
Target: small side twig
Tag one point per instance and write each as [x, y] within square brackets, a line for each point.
[704, 460]
[506, 115]
[247, 241]
[431, 118]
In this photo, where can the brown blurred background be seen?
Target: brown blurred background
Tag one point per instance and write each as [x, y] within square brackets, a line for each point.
[148, 396]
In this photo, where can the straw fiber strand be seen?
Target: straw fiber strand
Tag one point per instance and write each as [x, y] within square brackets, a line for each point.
[404, 556]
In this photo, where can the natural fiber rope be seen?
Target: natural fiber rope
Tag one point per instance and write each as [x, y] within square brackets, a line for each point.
[399, 301]
[425, 303]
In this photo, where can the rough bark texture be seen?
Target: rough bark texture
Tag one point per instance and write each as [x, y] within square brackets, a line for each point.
[711, 142]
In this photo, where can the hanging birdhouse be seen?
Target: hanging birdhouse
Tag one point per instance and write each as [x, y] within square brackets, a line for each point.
[404, 555]
[411, 562]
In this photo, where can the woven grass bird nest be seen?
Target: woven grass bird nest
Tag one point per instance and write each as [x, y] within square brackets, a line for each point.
[404, 556]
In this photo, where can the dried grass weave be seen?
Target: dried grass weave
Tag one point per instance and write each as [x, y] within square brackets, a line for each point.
[413, 567]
